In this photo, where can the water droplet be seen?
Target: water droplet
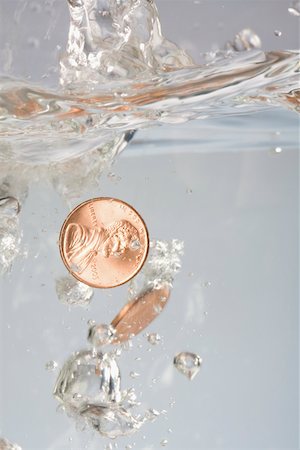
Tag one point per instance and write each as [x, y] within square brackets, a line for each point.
[152, 414]
[134, 374]
[9, 207]
[277, 150]
[154, 338]
[246, 39]
[51, 366]
[99, 335]
[278, 33]
[188, 364]
[164, 442]
[72, 292]
[294, 9]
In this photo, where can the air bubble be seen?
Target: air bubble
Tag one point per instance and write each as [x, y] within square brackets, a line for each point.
[51, 366]
[188, 364]
[154, 338]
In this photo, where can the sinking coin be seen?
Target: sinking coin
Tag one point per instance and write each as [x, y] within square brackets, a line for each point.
[104, 242]
[136, 315]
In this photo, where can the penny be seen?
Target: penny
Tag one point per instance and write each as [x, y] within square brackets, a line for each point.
[136, 315]
[104, 242]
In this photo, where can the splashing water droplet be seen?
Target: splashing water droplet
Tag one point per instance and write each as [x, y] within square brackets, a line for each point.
[51, 366]
[99, 335]
[245, 40]
[294, 9]
[188, 364]
[72, 292]
[154, 338]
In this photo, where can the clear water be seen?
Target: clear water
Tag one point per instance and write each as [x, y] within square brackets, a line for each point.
[225, 185]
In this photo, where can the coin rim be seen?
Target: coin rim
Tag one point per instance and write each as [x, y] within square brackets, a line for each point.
[61, 234]
[128, 306]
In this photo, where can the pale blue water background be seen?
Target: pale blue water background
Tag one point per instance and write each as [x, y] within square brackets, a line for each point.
[219, 186]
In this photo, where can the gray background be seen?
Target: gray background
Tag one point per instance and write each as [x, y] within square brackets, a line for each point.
[240, 228]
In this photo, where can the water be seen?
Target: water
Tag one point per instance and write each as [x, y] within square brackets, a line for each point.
[100, 335]
[188, 364]
[10, 234]
[96, 108]
[89, 388]
[120, 73]
[72, 292]
[153, 338]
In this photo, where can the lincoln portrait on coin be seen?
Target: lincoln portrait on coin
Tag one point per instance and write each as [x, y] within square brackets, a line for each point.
[82, 243]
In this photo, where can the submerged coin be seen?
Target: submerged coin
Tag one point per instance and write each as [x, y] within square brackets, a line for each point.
[104, 242]
[136, 315]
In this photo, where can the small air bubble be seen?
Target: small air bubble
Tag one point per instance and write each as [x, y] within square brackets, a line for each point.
[164, 442]
[134, 374]
[154, 338]
[278, 33]
[51, 366]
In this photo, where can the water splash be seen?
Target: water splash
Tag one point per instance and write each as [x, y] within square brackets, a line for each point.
[116, 40]
[10, 234]
[120, 73]
[72, 292]
[245, 40]
[89, 388]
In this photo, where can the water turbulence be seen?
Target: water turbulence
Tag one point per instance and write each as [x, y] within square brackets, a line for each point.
[119, 73]
[89, 383]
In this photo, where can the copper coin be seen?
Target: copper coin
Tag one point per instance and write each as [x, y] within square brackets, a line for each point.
[104, 242]
[136, 315]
